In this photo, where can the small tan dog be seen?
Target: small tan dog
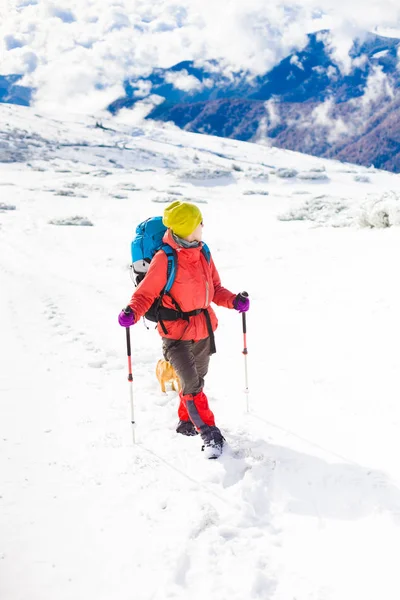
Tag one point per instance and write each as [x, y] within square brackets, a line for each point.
[166, 374]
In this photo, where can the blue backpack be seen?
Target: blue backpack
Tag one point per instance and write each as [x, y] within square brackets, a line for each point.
[148, 240]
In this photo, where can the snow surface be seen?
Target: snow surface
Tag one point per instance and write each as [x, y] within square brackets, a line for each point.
[305, 502]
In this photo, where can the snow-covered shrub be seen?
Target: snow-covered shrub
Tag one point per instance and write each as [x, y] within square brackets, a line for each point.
[286, 173]
[255, 193]
[257, 176]
[77, 220]
[324, 210]
[4, 206]
[68, 193]
[12, 151]
[129, 187]
[381, 211]
[101, 173]
[362, 179]
[204, 174]
[313, 175]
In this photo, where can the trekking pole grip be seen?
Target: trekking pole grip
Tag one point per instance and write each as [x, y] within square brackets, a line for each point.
[127, 311]
[243, 296]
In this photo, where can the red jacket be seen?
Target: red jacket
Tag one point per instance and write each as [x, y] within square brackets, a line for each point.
[196, 285]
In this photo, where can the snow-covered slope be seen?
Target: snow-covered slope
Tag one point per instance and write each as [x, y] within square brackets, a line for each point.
[305, 503]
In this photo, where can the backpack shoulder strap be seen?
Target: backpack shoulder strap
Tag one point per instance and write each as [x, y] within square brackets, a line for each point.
[172, 262]
[206, 251]
[171, 267]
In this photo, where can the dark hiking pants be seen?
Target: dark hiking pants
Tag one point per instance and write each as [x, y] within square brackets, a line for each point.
[190, 360]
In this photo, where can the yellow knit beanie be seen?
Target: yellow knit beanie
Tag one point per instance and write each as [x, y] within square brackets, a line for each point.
[182, 218]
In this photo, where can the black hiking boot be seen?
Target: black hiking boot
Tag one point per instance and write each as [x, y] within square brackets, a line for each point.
[213, 441]
[186, 428]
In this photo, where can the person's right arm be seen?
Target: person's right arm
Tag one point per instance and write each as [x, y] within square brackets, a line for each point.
[150, 287]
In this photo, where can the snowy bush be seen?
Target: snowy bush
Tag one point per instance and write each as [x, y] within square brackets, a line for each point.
[257, 176]
[4, 206]
[101, 173]
[129, 187]
[68, 193]
[286, 173]
[382, 211]
[82, 221]
[10, 153]
[362, 179]
[318, 169]
[313, 175]
[205, 174]
[324, 210]
[255, 193]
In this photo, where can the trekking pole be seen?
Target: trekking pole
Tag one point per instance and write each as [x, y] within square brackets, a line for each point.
[245, 353]
[128, 311]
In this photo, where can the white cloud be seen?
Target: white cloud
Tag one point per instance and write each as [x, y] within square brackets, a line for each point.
[99, 43]
[272, 109]
[271, 119]
[144, 88]
[378, 87]
[332, 72]
[322, 116]
[296, 61]
[324, 121]
[339, 44]
[360, 61]
[181, 80]
[139, 111]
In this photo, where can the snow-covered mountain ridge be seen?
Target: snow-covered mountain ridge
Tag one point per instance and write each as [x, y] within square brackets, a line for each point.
[254, 170]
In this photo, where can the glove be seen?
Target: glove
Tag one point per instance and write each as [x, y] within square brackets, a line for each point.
[126, 318]
[241, 303]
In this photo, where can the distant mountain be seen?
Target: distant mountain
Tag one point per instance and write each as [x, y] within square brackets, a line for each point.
[305, 103]
[359, 121]
[310, 74]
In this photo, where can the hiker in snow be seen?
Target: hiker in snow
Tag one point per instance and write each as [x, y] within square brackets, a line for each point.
[186, 321]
